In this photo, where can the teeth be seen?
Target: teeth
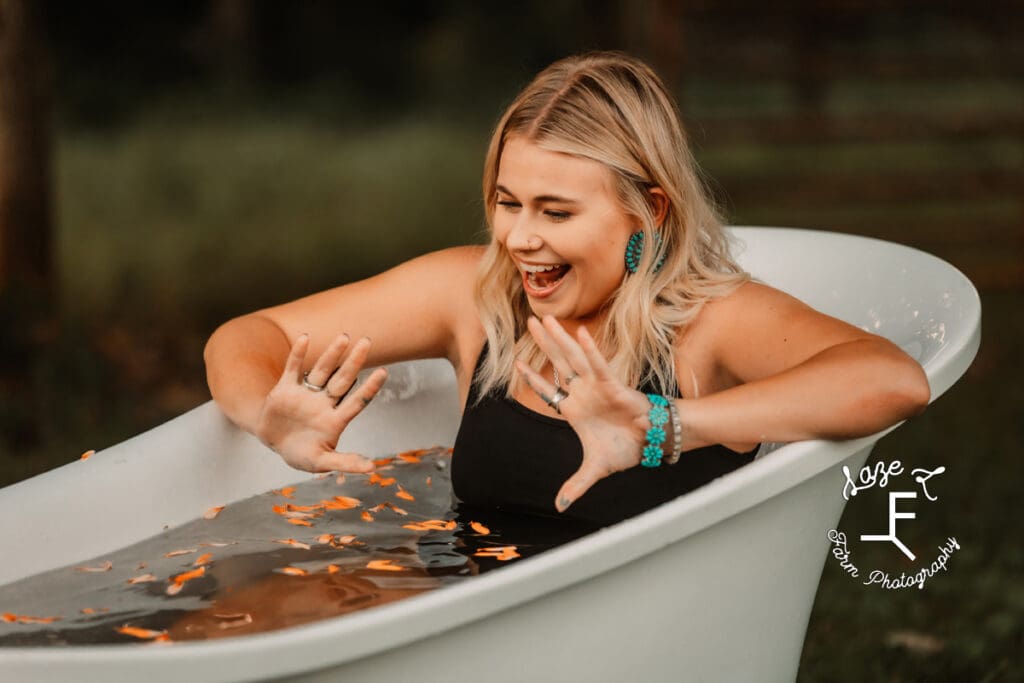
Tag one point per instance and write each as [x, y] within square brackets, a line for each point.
[540, 269]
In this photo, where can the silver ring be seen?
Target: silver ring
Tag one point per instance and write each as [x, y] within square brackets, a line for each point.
[309, 385]
[560, 395]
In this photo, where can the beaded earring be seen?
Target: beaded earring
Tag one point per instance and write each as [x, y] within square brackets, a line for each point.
[635, 248]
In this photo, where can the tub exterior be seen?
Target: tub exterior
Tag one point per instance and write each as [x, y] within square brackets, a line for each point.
[716, 585]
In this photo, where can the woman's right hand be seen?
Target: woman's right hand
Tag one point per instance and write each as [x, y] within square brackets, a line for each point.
[302, 424]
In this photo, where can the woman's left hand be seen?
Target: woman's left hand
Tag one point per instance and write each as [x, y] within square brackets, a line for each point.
[609, 417]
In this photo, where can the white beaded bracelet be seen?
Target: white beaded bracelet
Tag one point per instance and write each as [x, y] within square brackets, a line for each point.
[677, 434]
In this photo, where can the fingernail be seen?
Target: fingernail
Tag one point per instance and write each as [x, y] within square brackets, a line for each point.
[563, 503]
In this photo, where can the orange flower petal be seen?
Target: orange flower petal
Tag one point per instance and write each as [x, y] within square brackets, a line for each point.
[8, 617]
[333, 569]
[141, 633]
[325, 538]
[287, 491]
[178, 581]
[292, 542]
[105, 567]
[383, 565]
[500, 552]
[299, 522]
[367, 517]
[24, 619]
[142, 578]
[431, 525]
[183, 551]
[292, 571]
[342, 503]
[304, 508]
[344, 540]
[479, 528]
[411, 456]
[203, 559]
[213, 512]
[381, 462]
[403, 494]
[85, 456]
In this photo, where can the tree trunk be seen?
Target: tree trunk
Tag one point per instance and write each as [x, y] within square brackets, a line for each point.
[27, 275]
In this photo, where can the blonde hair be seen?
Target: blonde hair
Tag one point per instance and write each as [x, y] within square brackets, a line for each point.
[611, 108]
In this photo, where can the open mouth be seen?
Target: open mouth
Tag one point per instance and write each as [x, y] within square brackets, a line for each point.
[543, 280]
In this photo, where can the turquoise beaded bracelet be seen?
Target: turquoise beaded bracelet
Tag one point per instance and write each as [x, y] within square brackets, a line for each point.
[658, 415]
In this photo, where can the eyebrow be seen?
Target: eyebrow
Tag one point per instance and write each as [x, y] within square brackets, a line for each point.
[542, 198]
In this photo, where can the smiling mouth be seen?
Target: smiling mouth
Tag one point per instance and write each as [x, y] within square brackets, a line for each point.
[543, 282]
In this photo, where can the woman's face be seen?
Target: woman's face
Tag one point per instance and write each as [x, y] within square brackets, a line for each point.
[559, 210]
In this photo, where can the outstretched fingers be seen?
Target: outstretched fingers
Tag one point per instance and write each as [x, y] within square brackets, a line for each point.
[576, 485]
[537, 382]
[598, 365]
[329, 360]
[569, 349]
[360, 396]
[293, 364]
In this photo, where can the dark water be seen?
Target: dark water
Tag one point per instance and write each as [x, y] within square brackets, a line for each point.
[230, 578]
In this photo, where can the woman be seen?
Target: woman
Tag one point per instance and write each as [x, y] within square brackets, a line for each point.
[604, 329]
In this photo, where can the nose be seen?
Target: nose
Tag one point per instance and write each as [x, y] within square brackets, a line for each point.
[521, 236]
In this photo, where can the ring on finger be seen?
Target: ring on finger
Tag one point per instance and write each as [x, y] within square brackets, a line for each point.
[560, 395]
[309, 385]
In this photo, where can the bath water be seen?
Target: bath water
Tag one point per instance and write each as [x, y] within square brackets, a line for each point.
[320, 549]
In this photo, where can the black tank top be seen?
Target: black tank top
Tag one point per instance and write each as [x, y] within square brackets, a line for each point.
[514, 459]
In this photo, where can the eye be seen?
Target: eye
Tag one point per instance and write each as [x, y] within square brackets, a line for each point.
[508, 204]
[558, 216]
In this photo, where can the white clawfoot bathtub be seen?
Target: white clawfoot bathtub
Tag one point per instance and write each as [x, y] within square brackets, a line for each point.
[714, 586]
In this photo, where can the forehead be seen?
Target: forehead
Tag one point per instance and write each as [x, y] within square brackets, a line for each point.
[529, 171]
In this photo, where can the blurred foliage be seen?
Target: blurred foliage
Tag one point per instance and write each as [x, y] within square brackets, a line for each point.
[217, 157]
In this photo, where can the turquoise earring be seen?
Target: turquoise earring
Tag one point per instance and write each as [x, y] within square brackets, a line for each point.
[635, 248]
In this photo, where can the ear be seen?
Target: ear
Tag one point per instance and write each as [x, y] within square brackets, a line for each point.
[660, 204]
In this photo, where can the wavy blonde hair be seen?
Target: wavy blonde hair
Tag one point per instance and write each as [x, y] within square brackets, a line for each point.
[611, 108]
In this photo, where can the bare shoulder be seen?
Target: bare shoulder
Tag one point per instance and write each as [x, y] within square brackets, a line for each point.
[758, 330]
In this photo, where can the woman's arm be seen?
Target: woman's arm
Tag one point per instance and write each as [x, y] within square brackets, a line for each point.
[410, 311]
[801, 375]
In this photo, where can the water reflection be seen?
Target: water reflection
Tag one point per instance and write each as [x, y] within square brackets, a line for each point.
[321, 549]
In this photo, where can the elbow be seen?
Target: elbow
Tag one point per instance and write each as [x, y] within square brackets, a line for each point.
[210, 350]
[913, 393]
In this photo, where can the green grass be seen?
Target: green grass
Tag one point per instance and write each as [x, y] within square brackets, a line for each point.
[196, 218]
